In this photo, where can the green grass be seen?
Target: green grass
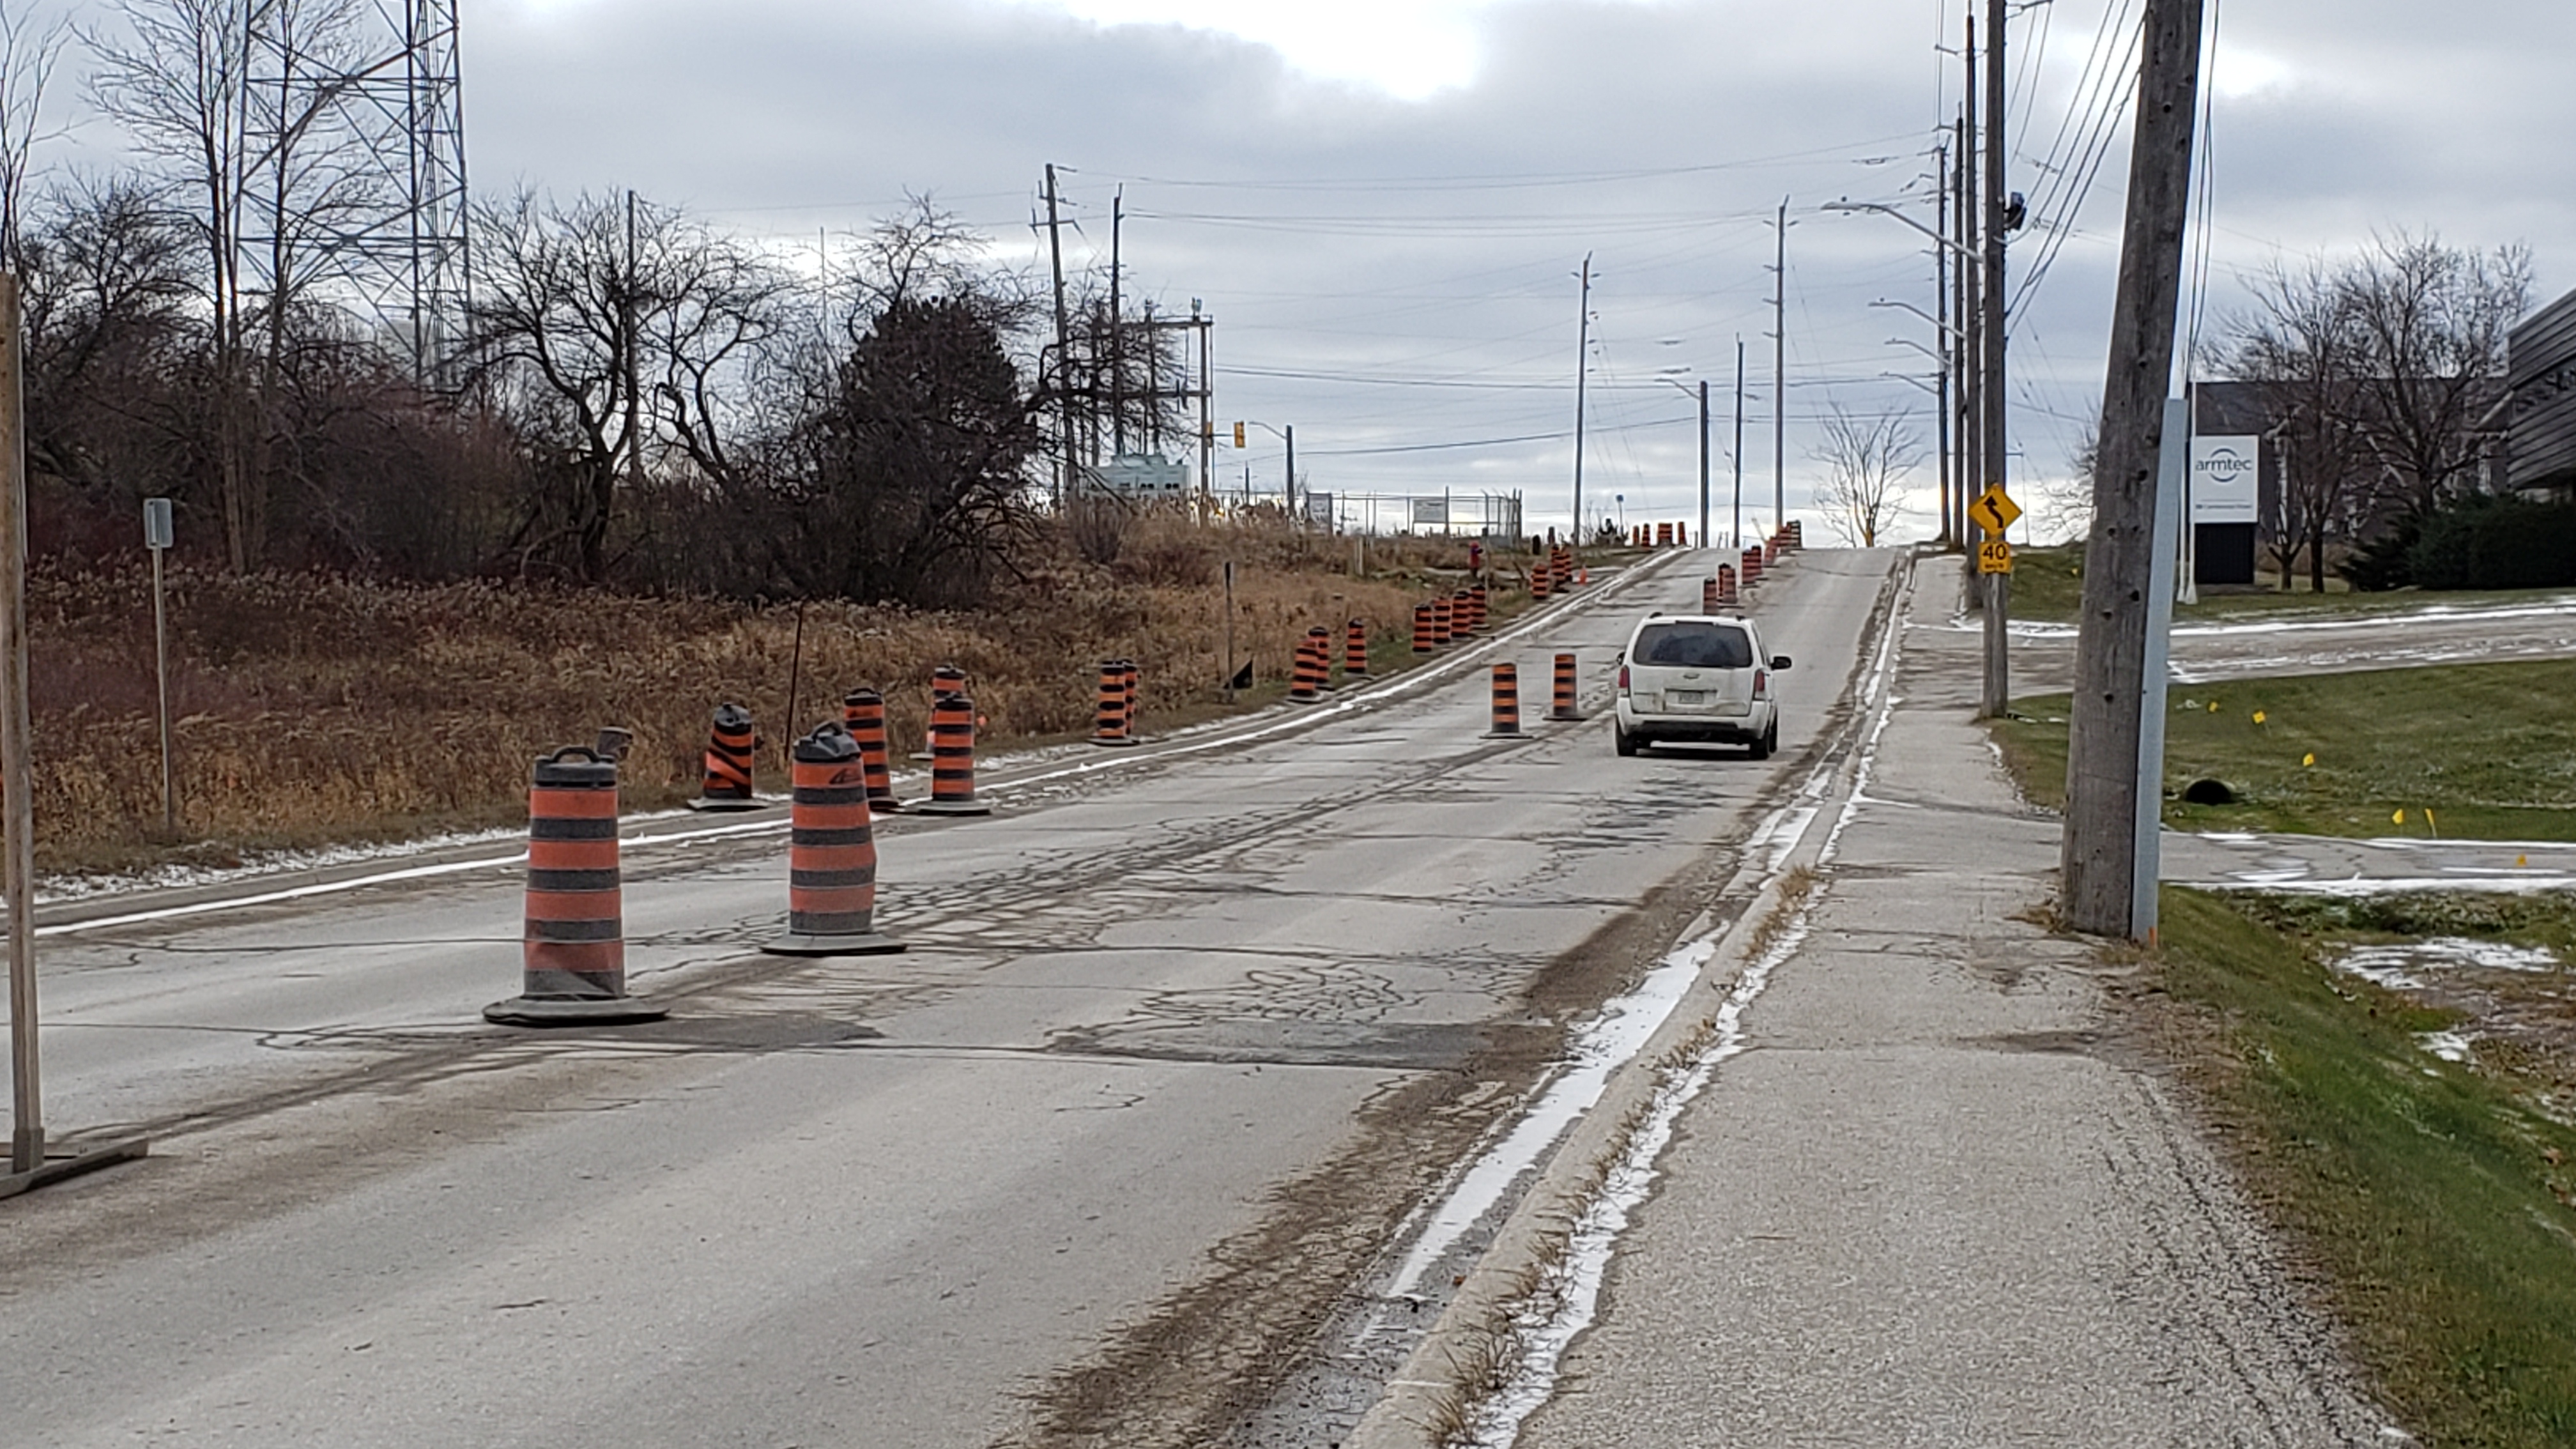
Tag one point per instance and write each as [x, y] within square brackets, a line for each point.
[2434, 1200]
[2048, 587]
[2488, 749]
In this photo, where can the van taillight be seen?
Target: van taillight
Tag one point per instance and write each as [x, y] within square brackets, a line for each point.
[1761, 682]
[1623, 679]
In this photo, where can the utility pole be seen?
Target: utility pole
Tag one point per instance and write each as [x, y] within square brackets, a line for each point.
[17, 776]
[1942, 325]
[1290, 433]
[1063, 361]
[1964, 347]
[1736, 541]
[1206, 328]
[2107, 811]
[1703, 462]
[1998, 611]
[1153, 383]
[1117, 334]
[1780, 378]
[634, 358]
[1582, 365]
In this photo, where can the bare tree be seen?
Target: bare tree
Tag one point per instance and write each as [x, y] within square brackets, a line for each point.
[574, 311]
[29, 49]
[1865, 459]
[2303, 348]
[2432, 323]
[175, 74]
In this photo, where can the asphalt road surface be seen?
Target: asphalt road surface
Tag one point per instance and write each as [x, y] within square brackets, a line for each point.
[1185, 1039]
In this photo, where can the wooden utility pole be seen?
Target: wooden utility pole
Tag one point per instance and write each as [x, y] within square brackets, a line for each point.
[1703, 462]
[1063, 359]
[1736, 541]
[1582, 365]
[1944, 337]
[17, 774]
[2103, 804]
[1998, 611]
[1780, 376]
[634, 357]
[1117, 333]
[1967, 300]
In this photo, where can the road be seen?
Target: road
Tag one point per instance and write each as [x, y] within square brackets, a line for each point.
[1122, 1150]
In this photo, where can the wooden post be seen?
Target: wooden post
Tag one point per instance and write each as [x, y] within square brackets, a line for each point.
[17, 776]
[2098, 858]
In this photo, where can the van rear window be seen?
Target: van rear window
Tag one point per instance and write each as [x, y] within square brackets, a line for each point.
[1694, 646]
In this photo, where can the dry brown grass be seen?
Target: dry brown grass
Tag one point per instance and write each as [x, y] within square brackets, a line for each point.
[315, 709]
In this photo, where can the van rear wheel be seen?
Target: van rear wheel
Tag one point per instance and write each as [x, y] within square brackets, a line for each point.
[1770, 740]
[1621, 741]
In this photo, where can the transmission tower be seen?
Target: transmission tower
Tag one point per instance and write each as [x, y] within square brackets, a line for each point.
[353, 188]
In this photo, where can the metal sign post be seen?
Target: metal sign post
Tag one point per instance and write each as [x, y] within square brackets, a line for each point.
[157, 537]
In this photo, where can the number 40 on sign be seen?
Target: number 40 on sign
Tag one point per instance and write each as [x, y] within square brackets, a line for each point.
[1994, 556]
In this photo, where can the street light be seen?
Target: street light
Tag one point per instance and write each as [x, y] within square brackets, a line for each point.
[1953, 333]
[1703, 453]
[1884, 209]
[1288, 435]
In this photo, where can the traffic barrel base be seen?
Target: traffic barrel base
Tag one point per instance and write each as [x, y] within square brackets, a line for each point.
[573, 1011]
[573, 950]
[831, 854]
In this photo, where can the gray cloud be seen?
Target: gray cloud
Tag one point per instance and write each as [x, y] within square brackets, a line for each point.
[1391, 273]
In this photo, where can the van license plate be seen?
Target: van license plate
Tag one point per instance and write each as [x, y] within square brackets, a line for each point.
[1691, 698]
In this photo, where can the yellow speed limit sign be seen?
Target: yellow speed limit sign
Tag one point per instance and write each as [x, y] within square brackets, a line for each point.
[1994, 556]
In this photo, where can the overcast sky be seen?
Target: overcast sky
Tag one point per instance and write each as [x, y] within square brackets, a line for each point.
[1385, 204]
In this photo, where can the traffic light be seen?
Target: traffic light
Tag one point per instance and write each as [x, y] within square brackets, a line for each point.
[1238, 435]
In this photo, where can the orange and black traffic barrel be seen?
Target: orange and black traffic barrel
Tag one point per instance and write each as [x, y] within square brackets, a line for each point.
[1542, 577]
[730, 743]
[1663, 535]
[1562, 707]
[1132, 681]
[1507, 704]
[1355, 649]
[573, 949]
[1725, 587]
[1306, 685]
[1109, 715]
[1752, 571]
[945, 680]
[831, 853]
[1422, 629]
[952, 760]
[863, 715]
[1478, 608]
[1442, 624]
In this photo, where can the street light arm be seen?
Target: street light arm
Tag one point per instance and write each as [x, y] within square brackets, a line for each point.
[1954, 333]
[1884, 209]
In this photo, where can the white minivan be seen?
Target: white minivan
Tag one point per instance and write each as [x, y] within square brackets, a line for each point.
[1702, 678]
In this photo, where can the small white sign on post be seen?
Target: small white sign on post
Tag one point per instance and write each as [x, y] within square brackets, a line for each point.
[156, 523]
[2226, 474]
